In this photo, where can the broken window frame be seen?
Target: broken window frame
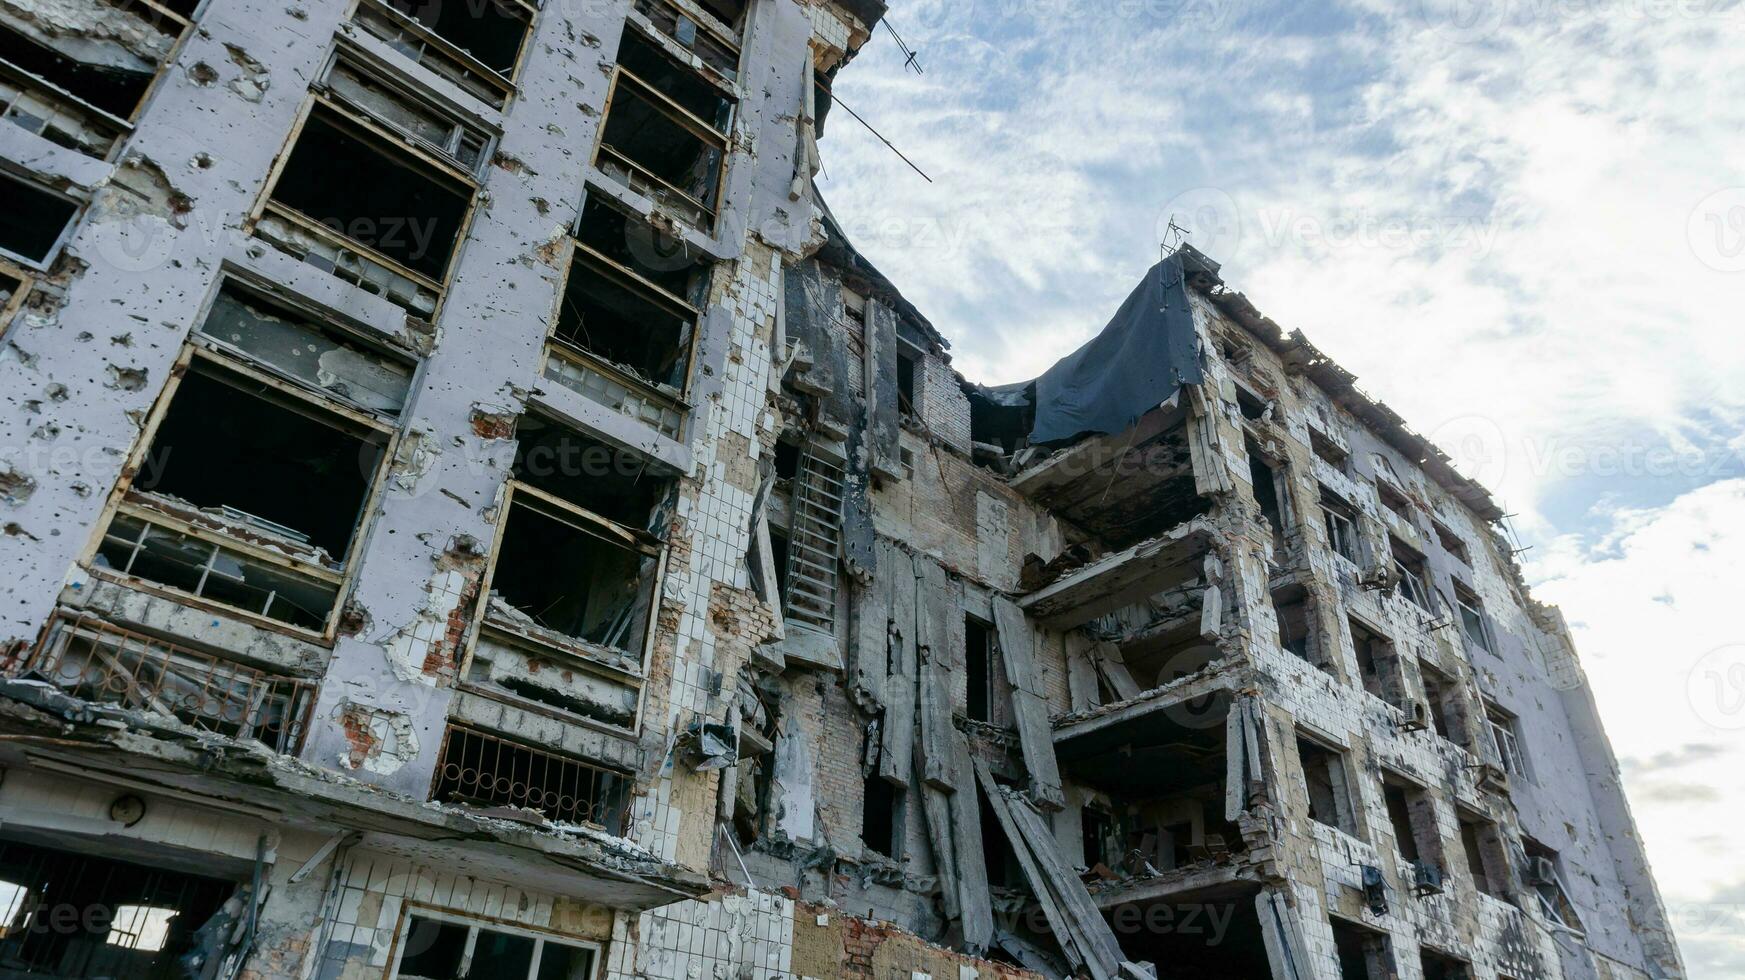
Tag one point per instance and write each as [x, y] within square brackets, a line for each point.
[1452, 543]
[518, 494]
[1413, 574]
[1473, 624]
[474, 925]
[1480, 841]
[716, 58]
[720, 139]
[139, 505]
[212, 693]
[450, 61]
[66, 232]
[254, 291]
[1347, 813]
[347, 54]
[1341, 522]
[389, 142]
[11, 305]
[671, 407]
[1506, 739]
[1553, 896]
[121, 127]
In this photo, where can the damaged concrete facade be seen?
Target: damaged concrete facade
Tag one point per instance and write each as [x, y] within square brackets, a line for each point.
[468, 510]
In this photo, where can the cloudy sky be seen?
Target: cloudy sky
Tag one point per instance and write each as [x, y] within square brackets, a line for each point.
[1520, 222]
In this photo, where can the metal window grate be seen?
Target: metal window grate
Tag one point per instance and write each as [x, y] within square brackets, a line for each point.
[486, 770]
[106, 664]
[814, 537]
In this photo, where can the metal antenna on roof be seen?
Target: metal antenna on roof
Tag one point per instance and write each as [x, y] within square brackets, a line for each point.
[910, 56]
[1174, 237]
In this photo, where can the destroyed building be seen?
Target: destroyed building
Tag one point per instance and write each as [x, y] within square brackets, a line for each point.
[469, 510]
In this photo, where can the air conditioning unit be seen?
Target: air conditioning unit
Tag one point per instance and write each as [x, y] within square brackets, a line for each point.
[1417, 717]
[1375, 890]
[1493, 777]
[1426, 879]
[1541, 871]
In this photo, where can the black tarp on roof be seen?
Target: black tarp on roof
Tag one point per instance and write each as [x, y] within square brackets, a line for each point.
[1145, 353]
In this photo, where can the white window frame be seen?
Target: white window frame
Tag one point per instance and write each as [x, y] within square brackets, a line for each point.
[1341, 533]
[474, 924]
[1475, 610]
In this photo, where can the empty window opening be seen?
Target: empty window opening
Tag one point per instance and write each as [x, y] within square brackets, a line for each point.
[484, 770]
[1506, 739]
[787, 460]
[978, 658]
[81, 105]
[1252, 406]
[1341, 519]
[134, 921]
[1329, 451]
[577, 557]
[778, 546]
[908, 363]
[1378, 664]
[437, 130]
[1414, 581]
[1442, 696]
[652, 257]
[1364, 953]
[1296, 625]
[665, 133]
[298, 347]
[643, 332]
[854, 307]
[34, 222]
[1482, 845]
[1439, 966]
[998, 856]
[1471, 617]
[1328, 789]
[1451, 542]
[434, 947]
[234, 448]
[1543, 874]
[614, 483]
[1412, 815]
[879, 815]
[1161, 935]
[1394, 500]
[490, 31]
[1268, 491]
[1097, 828]
[374, 194]
[716, 45]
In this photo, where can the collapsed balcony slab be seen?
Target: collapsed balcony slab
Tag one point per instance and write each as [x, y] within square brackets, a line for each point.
[1122, 578]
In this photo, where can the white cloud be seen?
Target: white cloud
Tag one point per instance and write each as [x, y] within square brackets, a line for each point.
[1650, 605]
[1516, 224]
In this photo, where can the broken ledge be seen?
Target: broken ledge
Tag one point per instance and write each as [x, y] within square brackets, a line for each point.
[1121, 578]
[41, 722]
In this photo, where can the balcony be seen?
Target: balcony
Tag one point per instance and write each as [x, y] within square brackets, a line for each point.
[1125, 487]
[1123, 578]
[104, 664]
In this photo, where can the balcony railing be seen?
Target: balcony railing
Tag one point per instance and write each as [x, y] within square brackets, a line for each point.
[105, 664]
[484, 770]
